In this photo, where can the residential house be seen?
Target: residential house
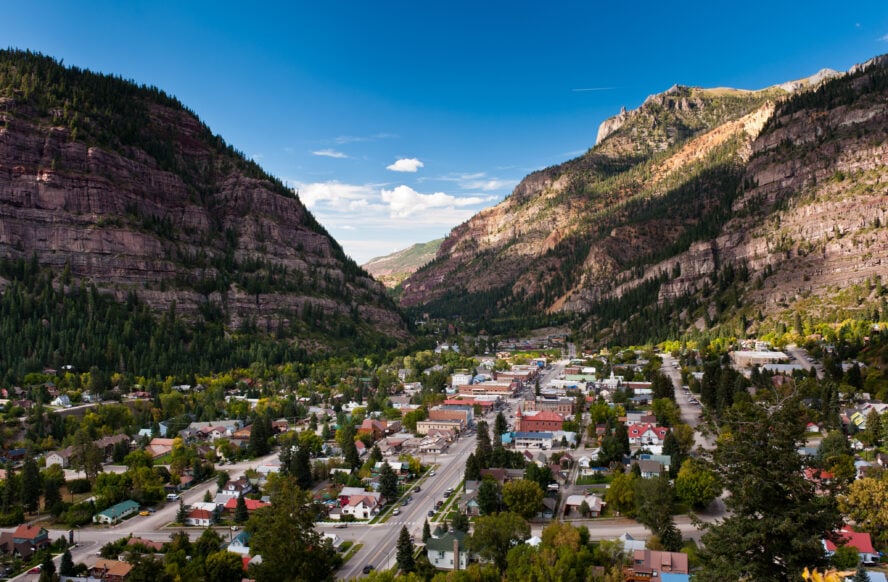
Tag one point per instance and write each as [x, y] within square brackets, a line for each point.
[240, 544]
[252, 504]
[647, 434]
[116, 513]
[109, 443]
[200, 517]
[61, 458]
[448, 552]
[375, 428]
[363, 506]
[650, 469]
[532, 439]
[24, 541]
[573, 503]
[110, 570]
[150, 544]
[62, 401]
[650, 565]
[859, 540]
[159, 447]
[236, 488]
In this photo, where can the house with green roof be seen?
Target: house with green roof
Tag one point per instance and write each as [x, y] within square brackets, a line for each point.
[115, 513]
[448, 552]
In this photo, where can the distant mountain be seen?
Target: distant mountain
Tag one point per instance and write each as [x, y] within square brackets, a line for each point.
[121, 187]
[392, 269]
[703, 209]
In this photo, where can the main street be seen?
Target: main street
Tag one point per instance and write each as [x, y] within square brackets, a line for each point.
[690, 413]
[380, 540]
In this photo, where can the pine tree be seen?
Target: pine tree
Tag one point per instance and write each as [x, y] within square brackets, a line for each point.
[241, 514]
[388, 482]
[406, 562]
[426, 532]
[181, 514]
[30, 484]
[66, 565]
[860, 575]
[47, 568]
[473, 468]
[500, 426]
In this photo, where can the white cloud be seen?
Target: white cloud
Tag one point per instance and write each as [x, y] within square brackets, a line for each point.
[404, 201]
[333, 193]
[884, 38]
[405, 165]
[329, 153]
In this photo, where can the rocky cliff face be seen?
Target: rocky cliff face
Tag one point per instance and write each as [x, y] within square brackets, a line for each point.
[789, 188]
[196, 225]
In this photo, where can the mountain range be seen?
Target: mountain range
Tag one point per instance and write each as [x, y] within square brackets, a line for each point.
[703, 210]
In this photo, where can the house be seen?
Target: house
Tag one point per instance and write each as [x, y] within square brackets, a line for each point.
[240, 544]
[24, 541]
[848, 537]
[236, 488]
[363, 506]
[150, 544]
[62, 401]
[115, 513]
[159, 447]
[111, 570]
[200, 517]
[252, 504]
[573, 503]
[650, 565]
[647, 434]
[448, 552]
[61, 458]
[650, 469]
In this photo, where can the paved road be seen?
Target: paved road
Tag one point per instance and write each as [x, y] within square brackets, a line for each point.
[380, 540]
[690, 413]
[800, 355]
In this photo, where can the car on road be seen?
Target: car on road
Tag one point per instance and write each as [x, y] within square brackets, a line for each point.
[431, 473]
[417, 489]
[144, 512]
[431, 513]
[368, 568]
[396, 511]
[340, 525]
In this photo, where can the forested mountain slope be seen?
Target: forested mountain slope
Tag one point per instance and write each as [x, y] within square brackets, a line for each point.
[695, 205]
[121, 187]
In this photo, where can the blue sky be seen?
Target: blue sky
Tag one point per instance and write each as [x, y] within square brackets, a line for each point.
[397, 121]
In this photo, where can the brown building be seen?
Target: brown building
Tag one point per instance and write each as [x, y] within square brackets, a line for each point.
[543, 421]
[648, 565]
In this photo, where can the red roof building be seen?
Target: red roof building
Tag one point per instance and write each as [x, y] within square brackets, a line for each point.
[543, 421]
[859, 540]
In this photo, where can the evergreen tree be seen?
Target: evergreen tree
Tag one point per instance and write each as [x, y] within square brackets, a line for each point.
[406, 562]
[241, 514]
[770, 500]
[621, 433]
[66, 565]
[30, 484]
[375, 455]
[483, 447]
[51, 493]
[488, 497]
[303, 468]
[460, 522]
[671, 448]
[473, 468]
[426, 532]
[388, 482]
[349, 450]
[500, 426]
[47, 568]
[208, 498]
[181, 514]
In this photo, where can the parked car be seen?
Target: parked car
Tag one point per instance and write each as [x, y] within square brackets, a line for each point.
[431, 513]
[368, 568]
[396, 511]
[431, 473]
[340, 525]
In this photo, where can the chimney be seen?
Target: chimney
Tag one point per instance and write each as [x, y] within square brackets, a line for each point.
[455, 553]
